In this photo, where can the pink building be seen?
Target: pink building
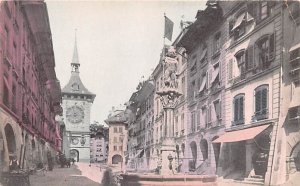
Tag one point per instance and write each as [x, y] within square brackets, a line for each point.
[30, 93]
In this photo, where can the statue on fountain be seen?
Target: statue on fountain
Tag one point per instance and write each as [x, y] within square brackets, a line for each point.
[170, 68]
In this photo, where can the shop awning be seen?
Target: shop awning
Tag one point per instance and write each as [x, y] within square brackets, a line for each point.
[203, 54]
[239, 21]
[295, 47]
[215, 74]
[202, 84]
[241, 135]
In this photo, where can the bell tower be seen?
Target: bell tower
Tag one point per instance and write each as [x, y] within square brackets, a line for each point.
[76, 102]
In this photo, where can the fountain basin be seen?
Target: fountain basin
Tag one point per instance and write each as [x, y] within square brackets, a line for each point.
[173, 180]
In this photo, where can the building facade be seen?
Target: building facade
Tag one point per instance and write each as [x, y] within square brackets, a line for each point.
[118, 137]
[30, 93]
[141, 128]
[76, 102]
[240, 115]
[99, 147]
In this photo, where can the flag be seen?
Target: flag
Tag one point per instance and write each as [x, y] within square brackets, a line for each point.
[168, 28]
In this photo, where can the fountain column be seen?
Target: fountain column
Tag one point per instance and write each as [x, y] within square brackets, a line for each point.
[169, 95]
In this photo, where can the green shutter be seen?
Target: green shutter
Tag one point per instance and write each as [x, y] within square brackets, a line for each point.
[272, 47]
[241, 108]
[249, 58]
[264, 100]
[258, 102]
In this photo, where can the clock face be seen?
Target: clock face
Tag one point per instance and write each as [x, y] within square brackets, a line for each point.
[75, 114]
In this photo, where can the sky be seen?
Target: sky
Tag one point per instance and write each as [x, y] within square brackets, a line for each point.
[119, 43]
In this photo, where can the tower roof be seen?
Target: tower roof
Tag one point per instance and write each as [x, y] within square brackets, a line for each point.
[75, 59]
[75, 85]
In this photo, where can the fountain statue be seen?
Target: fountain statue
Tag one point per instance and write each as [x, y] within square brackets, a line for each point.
[169, 96]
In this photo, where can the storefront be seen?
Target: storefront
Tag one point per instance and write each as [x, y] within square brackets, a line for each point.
[244, 152]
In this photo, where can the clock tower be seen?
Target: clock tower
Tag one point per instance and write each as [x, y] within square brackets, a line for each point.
[76, 102]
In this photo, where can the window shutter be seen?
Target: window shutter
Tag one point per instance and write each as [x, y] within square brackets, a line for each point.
[272, 47]
[258, 101]
[252, 9]
[209, 114]
[236, 108]
[241, 108]
[264, 97]
[229, 68]
[249, 58]
[220, 109]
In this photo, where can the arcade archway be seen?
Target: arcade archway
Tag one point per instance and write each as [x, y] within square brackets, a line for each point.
[74, 154]
[116, 159]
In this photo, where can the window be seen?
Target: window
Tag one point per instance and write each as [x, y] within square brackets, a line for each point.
[217, 106]
[198, 120]
[295, 11]
[230, 69]
[75, 87]
[115, 129]
[14, 98]
[183, 85]
[120, 129]
[265, 51]
[215, 77]
[182, 124]
[115, 148]
[217, 42]
[204, 116]
[240, 59]
[203, 85]
[294, 113]
[203, 56]
[261, 102]
[193, 87]
[193, 118]
[121, 148]
[121, 139]
[263, 10]
[238, 108]
[5, 94]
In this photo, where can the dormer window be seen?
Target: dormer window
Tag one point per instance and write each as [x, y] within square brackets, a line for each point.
[75, 87]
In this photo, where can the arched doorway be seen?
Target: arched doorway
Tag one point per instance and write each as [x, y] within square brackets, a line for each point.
[204, 149]
[10, 139]
[296, 156]
[116, 159]
[192, 163]
[74, 154]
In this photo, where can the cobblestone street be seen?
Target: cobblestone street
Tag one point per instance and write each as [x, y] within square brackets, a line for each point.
[78, 174]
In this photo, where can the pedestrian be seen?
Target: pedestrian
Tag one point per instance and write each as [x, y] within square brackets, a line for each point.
[14, 164]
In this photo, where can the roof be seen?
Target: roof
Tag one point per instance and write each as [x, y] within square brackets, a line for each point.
[117, 117]
[76, 86]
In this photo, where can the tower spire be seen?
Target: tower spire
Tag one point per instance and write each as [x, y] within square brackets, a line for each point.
[75, 61]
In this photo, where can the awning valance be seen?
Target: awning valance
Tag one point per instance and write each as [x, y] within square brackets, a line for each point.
[215, 74]
[203, 54]
[241, 135]
[239, 21]
[295, 47]
[202, 84]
